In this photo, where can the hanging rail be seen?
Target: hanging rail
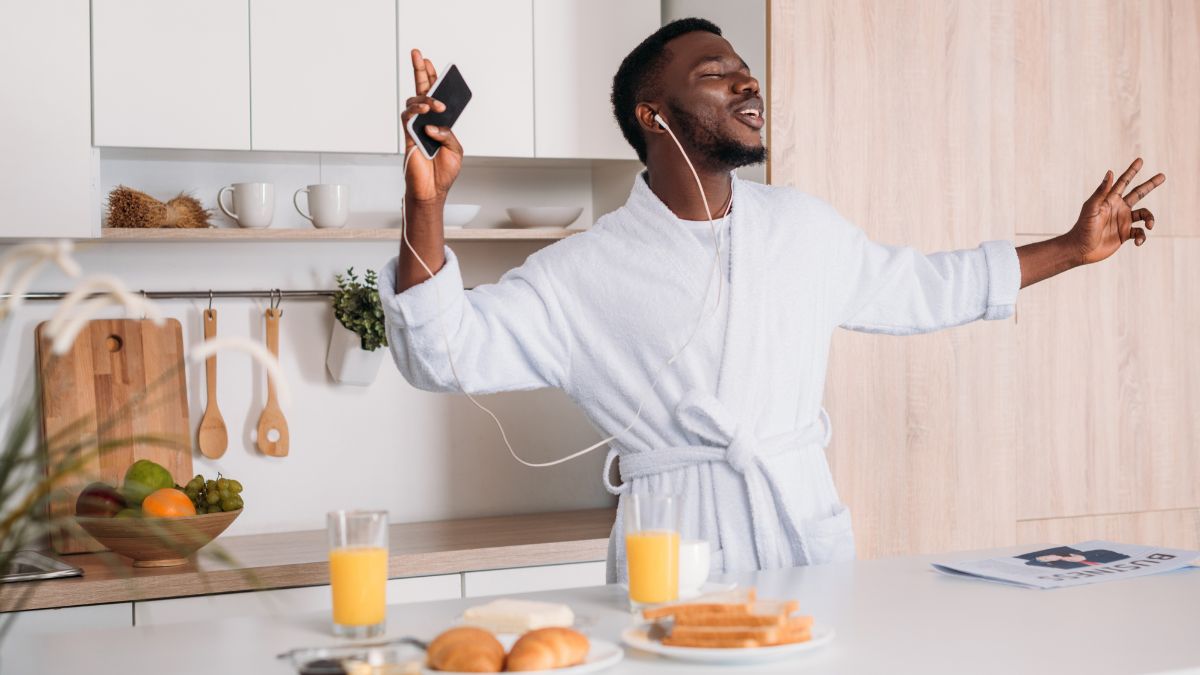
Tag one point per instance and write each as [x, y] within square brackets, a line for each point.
[203, 295]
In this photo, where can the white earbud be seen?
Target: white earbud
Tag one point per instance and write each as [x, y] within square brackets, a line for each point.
[661, 122]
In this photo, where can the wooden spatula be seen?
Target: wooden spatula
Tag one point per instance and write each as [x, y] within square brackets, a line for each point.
[272, 427]
[212, 437]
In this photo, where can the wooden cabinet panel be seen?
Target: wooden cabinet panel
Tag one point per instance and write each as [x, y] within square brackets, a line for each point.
[494, 51]
[577, 47]
[48, 166]
[171, 74]
[530, 579]
[923, 445]
[286, 601]
[1099, 84]
[323, 75]
[1110, 384]
[1174, 529]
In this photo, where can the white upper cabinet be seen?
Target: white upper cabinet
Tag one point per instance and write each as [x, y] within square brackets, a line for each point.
[46, 158]
[577, 47]
[171, 73]
[323, 75]
[492, 45]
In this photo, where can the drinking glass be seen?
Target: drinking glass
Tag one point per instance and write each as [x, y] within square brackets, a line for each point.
[358, 566]
[652, 548]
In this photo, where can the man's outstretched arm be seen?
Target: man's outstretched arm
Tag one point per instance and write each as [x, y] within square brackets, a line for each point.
[1105, 222]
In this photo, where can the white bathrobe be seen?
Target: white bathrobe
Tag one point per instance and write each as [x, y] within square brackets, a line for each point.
[735, 425]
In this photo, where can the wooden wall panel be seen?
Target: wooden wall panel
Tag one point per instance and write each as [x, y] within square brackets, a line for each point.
[899, 114]
[1109, 370]
[941, 124]
[1100, 83]
[1178, 528]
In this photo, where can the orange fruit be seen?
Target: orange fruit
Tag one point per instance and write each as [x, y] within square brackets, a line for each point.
[168, 503]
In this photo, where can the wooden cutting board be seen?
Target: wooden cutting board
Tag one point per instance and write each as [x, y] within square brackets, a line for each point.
[122, 379]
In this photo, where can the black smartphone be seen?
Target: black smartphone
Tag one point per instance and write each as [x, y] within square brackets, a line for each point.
[451, 89]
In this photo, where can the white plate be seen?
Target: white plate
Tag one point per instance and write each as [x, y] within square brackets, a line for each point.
[602, 655]
[636, 637]
[705, 588]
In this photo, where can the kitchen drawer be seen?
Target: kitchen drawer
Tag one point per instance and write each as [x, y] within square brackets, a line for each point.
[285, 601]
[530, 579]
[21, 644]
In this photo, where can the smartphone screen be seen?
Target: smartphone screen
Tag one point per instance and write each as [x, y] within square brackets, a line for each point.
[450, 89]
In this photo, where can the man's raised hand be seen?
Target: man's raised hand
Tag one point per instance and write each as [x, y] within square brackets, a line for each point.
[429, 180]
[1107, 218]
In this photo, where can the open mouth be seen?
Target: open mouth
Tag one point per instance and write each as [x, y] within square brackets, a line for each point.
[751, 116]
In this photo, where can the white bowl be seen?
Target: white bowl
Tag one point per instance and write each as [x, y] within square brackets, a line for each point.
[458, 215]
[543, 216]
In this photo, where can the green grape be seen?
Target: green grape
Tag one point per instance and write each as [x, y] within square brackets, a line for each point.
[196, 483]
[222, 484]
[212, 497]
[235, 487]
[231, 503]
[211, 485]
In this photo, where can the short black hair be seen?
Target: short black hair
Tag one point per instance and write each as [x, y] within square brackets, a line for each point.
[638, 78]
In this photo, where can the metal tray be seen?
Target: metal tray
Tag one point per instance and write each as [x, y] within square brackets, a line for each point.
[33, 566]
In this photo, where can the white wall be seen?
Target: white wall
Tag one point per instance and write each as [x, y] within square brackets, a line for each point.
[421, 456]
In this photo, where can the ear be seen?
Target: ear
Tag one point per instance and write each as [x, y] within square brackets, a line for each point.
[645, 115]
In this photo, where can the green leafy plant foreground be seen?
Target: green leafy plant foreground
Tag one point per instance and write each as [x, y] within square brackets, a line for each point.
[356, 305]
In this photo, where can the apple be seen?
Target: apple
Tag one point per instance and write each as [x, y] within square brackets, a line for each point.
[99, 500]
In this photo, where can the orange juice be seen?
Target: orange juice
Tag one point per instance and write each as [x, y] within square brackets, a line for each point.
[653, 558]
[359, 579]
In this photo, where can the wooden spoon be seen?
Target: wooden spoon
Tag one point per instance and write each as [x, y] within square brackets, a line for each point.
[213, 438]
[272, 427]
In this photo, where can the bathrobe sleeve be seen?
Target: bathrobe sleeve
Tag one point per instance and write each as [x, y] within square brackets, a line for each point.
[900, 291]
[504, 336]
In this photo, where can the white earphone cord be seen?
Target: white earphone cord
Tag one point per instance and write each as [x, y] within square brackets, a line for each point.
[658, 373]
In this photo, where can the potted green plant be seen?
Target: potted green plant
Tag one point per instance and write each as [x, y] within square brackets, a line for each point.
[358, 333]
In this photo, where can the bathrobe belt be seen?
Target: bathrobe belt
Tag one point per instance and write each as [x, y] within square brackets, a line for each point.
[722, 440]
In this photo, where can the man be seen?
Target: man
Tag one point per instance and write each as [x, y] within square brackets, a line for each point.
[734, 425]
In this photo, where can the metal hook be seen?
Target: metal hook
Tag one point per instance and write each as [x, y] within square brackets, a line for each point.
[210, 298]
[144, 301]
[277, 300]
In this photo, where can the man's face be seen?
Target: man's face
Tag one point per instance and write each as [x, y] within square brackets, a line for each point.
[713, 102]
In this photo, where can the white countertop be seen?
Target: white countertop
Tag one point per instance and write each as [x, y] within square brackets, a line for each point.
[896, 615]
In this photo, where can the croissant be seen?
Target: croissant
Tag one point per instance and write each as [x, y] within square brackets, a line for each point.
[547, 648]
[465, 649]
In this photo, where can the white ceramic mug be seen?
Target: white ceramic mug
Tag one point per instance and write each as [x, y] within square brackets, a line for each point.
[328, 204]
[253, 203]
[693, 565]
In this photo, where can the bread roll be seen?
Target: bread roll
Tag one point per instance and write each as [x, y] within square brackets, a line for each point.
[466, 649]
[548, 648]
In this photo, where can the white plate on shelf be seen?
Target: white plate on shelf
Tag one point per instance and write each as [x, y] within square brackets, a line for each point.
[637, 637]
[602, 655]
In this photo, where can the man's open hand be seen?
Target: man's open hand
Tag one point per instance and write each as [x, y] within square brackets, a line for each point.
[429, 180]
[1107, 218]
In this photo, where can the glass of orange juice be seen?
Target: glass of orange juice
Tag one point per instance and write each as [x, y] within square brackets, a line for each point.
[358, 569]
[652, 548]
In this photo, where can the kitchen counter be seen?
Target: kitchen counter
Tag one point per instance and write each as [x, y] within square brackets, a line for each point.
[895, 615]
[291, 559]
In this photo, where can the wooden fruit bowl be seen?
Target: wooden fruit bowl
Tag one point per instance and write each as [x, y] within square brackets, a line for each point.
[157, 542]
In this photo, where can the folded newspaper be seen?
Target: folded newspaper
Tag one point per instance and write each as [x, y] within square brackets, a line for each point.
[1085, 563]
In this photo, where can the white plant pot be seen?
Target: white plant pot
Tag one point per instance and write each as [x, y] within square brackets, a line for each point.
[347, 361]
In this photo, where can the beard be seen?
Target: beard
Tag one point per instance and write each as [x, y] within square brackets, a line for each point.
[716, 151]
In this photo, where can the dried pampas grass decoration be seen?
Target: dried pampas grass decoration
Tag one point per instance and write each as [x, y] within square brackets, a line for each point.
[131, 208]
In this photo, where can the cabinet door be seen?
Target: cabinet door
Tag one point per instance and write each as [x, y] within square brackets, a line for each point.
[492, 44]
[532, 579]
[323, 75]
[577, 47]
[21, 646]
[171, 74]
[286, 601]
[45, 126]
